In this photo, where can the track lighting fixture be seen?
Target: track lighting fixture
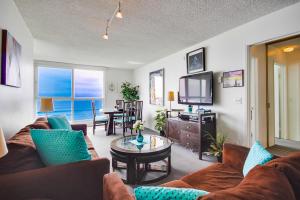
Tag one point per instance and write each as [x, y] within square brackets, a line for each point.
[118, 14]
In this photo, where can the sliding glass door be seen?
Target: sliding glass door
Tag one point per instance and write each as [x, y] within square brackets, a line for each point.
[72, 90]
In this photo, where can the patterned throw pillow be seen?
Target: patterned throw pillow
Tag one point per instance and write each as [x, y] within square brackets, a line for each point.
[257, 155]
[57, 146]
[59, 122]
[167, 193]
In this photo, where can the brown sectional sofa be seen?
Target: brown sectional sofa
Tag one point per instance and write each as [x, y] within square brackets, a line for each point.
[24, 176]
[277, 180]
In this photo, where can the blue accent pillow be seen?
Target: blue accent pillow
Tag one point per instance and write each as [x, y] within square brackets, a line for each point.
[56, 146]
[257, 155]
[167, 193]
[59, 122]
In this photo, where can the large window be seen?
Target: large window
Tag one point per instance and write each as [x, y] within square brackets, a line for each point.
[72, 90]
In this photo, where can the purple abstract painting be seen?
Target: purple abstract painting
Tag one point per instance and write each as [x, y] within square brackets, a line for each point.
[10, 60]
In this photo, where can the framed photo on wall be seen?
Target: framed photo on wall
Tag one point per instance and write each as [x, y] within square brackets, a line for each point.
[233, 79]
[10, 60]
[157, 87]
[196, 61]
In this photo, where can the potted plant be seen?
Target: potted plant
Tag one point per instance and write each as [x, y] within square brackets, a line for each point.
[129, 92]
[139, 126]
[216, 146]
[160, 121]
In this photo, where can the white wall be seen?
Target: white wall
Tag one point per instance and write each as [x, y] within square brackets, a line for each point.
[225, 52]
[116, 77]
[16, 104]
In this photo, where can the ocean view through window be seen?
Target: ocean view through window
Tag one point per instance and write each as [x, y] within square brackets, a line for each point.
[72, 90]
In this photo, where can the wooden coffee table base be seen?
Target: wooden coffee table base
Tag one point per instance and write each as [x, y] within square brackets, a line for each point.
[137, 166]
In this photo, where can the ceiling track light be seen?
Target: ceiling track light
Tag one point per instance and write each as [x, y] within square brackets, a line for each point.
[105, 36]
[118, 14]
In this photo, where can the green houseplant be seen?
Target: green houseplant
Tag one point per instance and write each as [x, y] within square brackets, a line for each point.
[160, 121]
[129, 91]
[216, 146]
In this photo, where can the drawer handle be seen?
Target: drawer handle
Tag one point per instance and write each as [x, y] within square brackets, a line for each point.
[188, 135]
[188, 127]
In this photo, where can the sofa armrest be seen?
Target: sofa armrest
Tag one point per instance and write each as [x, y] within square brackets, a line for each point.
[234, 155]
[80, 127]
[115, 189]
[80, 180]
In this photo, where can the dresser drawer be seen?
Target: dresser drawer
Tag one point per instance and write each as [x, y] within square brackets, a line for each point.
[193, 128]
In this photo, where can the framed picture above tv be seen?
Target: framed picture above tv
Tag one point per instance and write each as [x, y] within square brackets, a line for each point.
[233, 79]
[10, 60]
[195, 61]
[157, 87]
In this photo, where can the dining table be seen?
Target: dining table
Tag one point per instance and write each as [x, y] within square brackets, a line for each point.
[110, 123]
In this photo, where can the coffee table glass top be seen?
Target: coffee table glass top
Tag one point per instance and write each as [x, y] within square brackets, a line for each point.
[151, 143]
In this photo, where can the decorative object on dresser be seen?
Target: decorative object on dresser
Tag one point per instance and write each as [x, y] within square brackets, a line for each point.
[10, 60]
[195, 61]
[3, 146]
[46, 105]
[192, 133]
[233, 79]
[156, 87]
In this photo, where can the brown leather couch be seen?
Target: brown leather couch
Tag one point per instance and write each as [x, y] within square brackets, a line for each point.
[277, 180]
[24, 176]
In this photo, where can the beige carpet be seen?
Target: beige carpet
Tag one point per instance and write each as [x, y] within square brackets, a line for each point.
[183, 160]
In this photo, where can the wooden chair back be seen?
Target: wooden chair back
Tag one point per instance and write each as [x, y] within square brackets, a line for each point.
[119, 104]
[139, 110]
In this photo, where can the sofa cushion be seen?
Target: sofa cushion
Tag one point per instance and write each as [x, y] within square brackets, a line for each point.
[215, 177]
[166, 193]
[263, 182]
[59, 122]
[177, 184]
[60, 146]
[257, 155]
[290, 166]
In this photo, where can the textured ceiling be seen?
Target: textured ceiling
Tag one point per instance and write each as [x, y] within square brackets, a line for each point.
[150, 29]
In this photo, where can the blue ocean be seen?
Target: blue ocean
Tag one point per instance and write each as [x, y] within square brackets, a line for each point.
[75, 103]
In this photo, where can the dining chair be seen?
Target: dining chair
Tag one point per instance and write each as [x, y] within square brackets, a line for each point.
[138, 110]
[98, 120]
[119, 106]
[127, 119]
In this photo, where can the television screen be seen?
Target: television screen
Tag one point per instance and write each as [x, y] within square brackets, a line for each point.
[196, 89]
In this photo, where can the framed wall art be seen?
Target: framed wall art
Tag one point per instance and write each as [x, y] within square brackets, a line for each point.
[195, 61]
[10, 60]
[233, 79]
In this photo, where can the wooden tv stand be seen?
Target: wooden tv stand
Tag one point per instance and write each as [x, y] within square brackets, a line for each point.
[192, 134]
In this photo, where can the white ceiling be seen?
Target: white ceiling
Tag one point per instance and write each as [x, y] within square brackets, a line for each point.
[150, 29]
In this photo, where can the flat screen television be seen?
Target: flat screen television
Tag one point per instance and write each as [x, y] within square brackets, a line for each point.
[196, 89]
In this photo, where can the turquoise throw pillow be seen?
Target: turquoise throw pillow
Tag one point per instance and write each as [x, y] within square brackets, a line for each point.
[59, 122]
[56, 146]
[257, 155]
[167, 193]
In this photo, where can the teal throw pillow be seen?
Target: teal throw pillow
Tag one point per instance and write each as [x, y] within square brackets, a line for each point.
[167, 193]
[257, 155]
[56, 146]
[59, 122]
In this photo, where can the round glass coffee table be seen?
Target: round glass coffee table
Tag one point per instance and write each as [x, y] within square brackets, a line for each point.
[154, 156]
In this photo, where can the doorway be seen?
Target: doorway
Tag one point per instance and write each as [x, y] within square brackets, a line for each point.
[274, 93]
[283, 66]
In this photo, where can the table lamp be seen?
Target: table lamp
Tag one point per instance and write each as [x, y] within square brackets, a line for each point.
[171, 98]
[3, 147]
[46, 105]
